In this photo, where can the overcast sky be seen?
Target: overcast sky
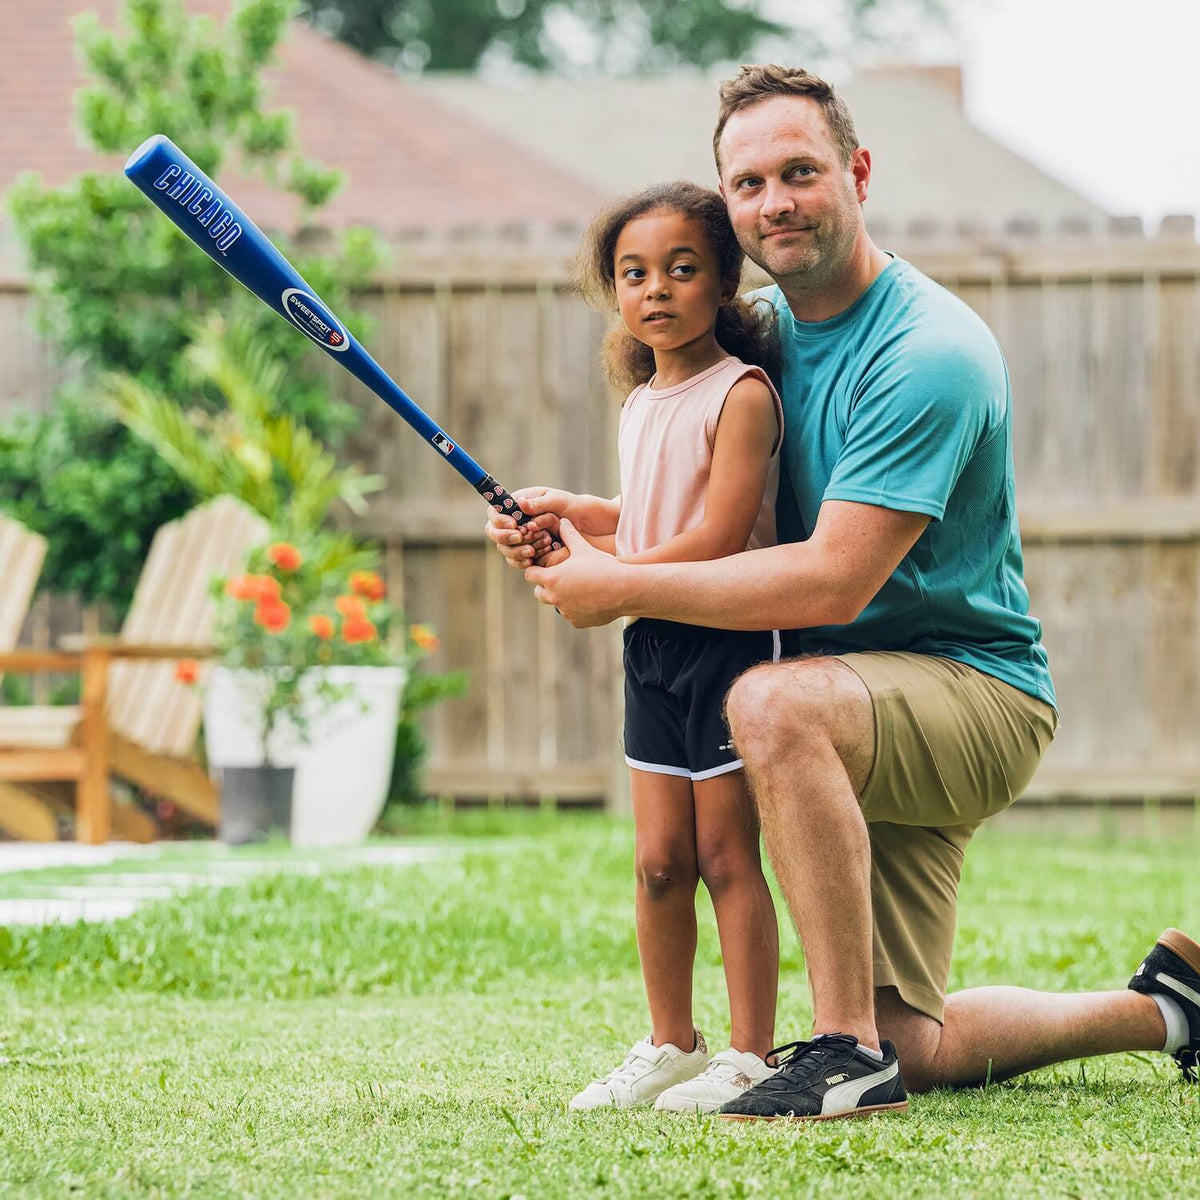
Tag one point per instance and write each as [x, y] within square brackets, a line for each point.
[1104, 93]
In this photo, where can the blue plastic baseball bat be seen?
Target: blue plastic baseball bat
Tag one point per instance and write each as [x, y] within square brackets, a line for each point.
[192, 201]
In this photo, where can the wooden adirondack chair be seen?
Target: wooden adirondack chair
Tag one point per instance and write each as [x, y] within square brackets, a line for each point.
[21, 557]
[135, 720]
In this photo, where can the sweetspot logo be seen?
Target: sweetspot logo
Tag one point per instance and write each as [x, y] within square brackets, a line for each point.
[311, 317]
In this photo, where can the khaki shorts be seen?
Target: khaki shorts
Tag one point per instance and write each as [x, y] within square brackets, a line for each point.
[953, 746]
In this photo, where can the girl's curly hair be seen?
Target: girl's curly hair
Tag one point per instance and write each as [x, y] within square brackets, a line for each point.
[743, 329]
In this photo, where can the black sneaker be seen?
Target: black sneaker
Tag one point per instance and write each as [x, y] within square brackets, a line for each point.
[822, 1079]
[1172, 969]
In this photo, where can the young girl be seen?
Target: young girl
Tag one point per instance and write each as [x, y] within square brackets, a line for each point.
[698, 447]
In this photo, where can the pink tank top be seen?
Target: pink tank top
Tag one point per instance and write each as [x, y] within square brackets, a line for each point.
[665, 446]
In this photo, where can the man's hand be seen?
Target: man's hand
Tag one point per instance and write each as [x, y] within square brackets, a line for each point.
[586, 586]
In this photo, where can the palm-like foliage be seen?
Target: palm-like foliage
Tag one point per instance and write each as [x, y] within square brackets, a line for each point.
[250, 447]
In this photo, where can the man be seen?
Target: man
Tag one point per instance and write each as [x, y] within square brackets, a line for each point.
[922, 704]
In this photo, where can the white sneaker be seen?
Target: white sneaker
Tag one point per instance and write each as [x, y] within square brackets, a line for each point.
[727, 1076]
[647, 1071]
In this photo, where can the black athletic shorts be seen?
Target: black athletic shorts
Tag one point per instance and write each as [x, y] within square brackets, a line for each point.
[676, 677]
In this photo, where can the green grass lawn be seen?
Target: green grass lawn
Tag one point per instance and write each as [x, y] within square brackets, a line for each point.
[374, 1031]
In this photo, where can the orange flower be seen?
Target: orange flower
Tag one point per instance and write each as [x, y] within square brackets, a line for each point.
[368, 584]
[187, 670]
[240, 588]
[358, 629]
[284, 555]
[273, 615]
[322, 626]
[253, 587]
[350, 606]
[424, 637]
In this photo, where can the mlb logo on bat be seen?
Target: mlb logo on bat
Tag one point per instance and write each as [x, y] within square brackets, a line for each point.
[443, 443]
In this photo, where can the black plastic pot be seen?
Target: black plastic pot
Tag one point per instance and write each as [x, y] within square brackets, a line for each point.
[255, 802]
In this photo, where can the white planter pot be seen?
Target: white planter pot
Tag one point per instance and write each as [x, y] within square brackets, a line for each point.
[342, 775]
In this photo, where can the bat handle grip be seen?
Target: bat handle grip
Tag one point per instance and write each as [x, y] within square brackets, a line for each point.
[502, 502]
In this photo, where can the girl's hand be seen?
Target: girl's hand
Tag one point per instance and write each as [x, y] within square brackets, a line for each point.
[521, 547]
[591, 515]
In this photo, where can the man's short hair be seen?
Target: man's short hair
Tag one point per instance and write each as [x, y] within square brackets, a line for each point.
[753, 84]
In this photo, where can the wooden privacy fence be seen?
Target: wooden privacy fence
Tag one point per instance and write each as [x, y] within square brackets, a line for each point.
[1103, 345]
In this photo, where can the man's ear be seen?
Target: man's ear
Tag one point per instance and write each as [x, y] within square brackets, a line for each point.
[860, 168]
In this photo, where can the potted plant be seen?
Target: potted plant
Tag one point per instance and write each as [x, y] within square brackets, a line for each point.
[304, 700]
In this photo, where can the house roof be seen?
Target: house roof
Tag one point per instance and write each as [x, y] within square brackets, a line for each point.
[411, 161]
[929, 161]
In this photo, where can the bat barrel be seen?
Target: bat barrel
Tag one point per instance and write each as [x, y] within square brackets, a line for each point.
[192, 201]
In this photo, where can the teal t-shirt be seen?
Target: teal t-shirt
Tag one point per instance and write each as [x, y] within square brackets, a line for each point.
[903, 401]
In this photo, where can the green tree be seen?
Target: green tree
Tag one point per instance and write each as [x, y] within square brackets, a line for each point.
[121, 288]
[628, 35]
[454, 35]
[249, 447]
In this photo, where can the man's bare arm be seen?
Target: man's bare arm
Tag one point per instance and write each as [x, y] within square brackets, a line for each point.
[827, 580]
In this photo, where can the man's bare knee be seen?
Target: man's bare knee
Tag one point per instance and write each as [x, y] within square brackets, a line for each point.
[804, 705]
[770, 702]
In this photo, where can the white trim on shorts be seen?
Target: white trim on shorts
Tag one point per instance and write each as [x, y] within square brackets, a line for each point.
[683, 772]
[712, 772]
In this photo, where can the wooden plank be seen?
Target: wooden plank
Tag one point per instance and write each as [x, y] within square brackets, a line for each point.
[1025, 351]
[39, 726]
[523, 435]
[421, 521]
[1149, 519]
[1176, 470]
[1068, 352]
[464, 623]
[1121, 386]
[30, 661]
[1083, 260]
[426, 600]
[130, 824]
[116, 647]
[32, 766]
[172, 609]
[552, 399]
[25, 816]
[21, 557]
[93, 810]
[468, 381]
[1100, 783]
[180, 781]
[468, 777]
[1092, 602]
[1172, 664]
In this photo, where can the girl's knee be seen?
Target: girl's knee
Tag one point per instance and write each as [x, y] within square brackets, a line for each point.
[724, 869]
[664, 870]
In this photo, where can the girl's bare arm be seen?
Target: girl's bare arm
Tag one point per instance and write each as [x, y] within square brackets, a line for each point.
[746, 435]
